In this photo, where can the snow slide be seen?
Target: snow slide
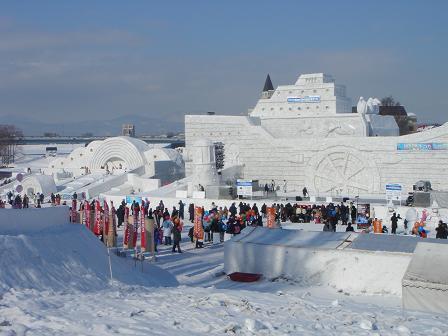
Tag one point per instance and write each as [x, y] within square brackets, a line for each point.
[54, 255]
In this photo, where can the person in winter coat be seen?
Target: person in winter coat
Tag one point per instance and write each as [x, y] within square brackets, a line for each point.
[191, 212]
[120, 214]
[263, 209]
[442, 231]
[394, 220]
[304, 192]
[255, 209]
[349, 228]
[181, 209]
[167, 226]
[233, 210]
[214, 226]
[175, 212]
[25, 202]
[353, 213]
[191, 234]
[177, 237]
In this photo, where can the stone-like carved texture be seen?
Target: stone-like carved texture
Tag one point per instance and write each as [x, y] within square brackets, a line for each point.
[342, 170]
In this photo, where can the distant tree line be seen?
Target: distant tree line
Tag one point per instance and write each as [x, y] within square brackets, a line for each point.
[10, 136]
[389, 101]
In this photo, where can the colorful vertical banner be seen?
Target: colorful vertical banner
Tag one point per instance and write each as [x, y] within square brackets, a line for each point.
[87, 214]
[271, 218]
[198, 230]
[127, 230]
[150, 230]
[142, 227]
[106, 219]
[112, 234]
[377, 226]
[135, 226]
[74, 214]
[97, 226]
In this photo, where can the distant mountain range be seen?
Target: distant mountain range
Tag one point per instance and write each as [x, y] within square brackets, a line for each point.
[143, 126]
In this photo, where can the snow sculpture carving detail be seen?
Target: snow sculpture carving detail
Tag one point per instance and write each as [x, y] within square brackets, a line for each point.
[371, 106]
[342, 170]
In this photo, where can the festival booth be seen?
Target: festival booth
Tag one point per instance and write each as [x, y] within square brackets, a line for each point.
[425, 283]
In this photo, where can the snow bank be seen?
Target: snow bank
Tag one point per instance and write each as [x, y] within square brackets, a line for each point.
[353, 271]
[54, 255]
[26, 221]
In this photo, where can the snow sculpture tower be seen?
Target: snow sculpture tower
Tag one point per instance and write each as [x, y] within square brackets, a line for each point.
[204, 164]
[268, 88]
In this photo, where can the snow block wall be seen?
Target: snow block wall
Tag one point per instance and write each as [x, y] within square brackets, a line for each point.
[315, 258]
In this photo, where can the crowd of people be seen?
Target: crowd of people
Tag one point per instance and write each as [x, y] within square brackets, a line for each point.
[5, 182]
[233, 219]
[17, 201]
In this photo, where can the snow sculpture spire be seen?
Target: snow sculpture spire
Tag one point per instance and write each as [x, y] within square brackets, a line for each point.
[268, 88]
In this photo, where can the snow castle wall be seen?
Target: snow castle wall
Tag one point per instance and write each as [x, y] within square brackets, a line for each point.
[304, 258]
[25, 221]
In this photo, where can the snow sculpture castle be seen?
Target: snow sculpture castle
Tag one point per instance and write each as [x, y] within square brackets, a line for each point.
[307, 134]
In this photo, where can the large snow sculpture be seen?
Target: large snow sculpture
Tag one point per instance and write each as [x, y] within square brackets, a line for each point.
[371, 106]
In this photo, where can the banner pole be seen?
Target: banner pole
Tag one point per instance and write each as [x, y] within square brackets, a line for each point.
[110, 265]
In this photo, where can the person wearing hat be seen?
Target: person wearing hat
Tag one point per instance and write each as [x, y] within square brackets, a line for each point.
[177, 229]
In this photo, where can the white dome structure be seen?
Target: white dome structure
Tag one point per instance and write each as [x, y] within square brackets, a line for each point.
[34, 184]
[122, 150]
[122, 163]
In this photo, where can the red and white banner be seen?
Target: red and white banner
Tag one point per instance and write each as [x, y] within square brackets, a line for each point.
[127, 229]
[271, 218]
[142, 227]
[87, 214]
[106, 219]
[97, 227]
[135, 225]
[74, 214]
[198, 230]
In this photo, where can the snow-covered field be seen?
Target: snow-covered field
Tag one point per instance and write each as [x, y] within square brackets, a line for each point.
[57, 282]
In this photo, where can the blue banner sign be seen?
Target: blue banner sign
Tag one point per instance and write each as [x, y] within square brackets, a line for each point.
[393, 187]
[130, 199]
[306, 99]
[422, 146]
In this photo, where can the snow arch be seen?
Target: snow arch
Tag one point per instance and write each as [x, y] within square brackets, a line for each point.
[43, 184]
[127, 150]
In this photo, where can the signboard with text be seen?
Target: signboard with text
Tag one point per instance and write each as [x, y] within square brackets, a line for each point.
[422, 147]
[305, 99]
[393, 191]
[244, 187]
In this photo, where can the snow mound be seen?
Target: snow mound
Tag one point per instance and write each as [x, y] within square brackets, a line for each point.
[66, 257]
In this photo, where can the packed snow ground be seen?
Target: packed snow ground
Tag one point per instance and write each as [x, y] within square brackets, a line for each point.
[57, 282]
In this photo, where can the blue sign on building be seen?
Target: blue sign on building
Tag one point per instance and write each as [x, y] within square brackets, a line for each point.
[306, 99]
[422, 146]
[130, 199]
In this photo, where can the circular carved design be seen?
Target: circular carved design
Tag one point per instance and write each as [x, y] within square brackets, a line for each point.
[343, 171]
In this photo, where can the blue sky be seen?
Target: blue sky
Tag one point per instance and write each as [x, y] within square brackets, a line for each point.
[61, 60]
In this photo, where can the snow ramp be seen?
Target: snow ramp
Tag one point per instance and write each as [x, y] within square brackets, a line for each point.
[40, 250]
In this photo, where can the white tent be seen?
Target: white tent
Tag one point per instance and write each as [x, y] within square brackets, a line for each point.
[425, 283]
